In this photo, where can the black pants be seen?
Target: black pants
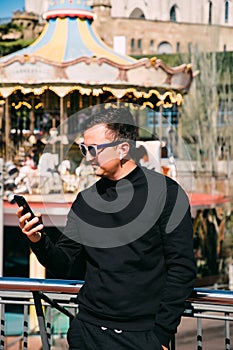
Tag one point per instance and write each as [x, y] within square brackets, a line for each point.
[85, 336]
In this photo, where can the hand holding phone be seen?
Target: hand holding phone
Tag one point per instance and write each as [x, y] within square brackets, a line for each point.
[21, 201]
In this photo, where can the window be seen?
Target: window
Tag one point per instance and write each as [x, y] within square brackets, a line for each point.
[139, 44]
[137, 13]
[165, 47]
[173, 14]
[132, 44]
[225, 112]
[170, 116]
[210, 12]
[151, 45]
[178, 46]
[226, 11]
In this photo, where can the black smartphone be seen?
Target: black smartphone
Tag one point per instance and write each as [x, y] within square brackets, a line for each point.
[21, 201]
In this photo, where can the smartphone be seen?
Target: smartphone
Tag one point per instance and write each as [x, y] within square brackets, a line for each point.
[21, 201]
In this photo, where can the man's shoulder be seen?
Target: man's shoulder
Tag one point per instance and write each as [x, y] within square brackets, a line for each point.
[163, 184]
[159, 177]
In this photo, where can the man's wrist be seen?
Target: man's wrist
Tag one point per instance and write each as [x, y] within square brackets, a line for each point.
[36, 237]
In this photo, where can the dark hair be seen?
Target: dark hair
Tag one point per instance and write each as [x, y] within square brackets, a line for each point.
[120, 122]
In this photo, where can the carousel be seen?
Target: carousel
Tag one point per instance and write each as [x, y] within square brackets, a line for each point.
[69, 68]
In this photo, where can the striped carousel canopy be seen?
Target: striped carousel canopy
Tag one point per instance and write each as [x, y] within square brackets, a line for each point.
[69, 52]
[69, 35]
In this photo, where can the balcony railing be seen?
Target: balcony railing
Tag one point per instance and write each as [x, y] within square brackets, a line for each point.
[51, 297]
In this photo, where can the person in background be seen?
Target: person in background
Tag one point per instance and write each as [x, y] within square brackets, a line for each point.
[130, 237]
[142, 156]
[29, 161]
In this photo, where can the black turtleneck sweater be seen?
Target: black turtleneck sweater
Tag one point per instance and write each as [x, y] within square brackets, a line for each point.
[131, 241]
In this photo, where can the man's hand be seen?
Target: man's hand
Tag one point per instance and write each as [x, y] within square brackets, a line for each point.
[164, 348]
[30, 227]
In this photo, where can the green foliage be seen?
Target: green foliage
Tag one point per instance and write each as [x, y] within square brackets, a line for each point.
[7, 27]
[7, 47]
[223, 62]
[223, 59]
[171, 60]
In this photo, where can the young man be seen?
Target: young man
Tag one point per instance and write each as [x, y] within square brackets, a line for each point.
[129, 237]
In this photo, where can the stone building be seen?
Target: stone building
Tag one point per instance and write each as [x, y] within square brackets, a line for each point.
[30, 24]
[144, 27]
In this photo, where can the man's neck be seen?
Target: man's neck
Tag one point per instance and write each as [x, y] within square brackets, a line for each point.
[127, 167]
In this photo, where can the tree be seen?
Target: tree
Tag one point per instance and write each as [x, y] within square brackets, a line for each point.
[207, 113]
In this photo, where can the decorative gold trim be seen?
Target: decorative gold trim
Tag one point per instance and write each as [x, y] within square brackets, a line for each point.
[117, 93]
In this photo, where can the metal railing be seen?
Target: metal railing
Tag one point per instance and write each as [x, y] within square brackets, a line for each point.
[44, 295]
[213, 305]
[47, 296]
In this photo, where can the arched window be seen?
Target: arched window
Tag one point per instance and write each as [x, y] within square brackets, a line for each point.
[137, 13]
[165, 47]
[210, 11]
[173, 14]
[226, 11]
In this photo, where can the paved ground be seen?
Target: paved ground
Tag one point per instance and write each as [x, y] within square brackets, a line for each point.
[213, 337]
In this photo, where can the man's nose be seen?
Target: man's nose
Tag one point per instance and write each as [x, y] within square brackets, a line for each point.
[89, 157]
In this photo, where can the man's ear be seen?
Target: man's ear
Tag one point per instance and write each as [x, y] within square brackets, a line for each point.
[121, 154]
[124, 150]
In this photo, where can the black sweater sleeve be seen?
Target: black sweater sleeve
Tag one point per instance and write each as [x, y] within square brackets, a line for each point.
[66, 258]
[177, 234]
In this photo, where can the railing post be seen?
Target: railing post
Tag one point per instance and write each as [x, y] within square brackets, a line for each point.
[25, 327]
[48, 323]
[2, 306]
[1, 214]
[199, 334]
[41, 321]
[227, 333]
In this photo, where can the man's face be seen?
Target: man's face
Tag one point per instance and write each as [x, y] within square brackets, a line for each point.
[107, 162]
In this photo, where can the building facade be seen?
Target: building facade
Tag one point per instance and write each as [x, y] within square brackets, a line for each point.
[150, 27]
[218, 12]
[37, 7]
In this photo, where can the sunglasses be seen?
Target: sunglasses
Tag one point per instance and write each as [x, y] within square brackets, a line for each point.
[92, 149]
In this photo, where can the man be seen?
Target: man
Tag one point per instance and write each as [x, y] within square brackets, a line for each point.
[129, 237]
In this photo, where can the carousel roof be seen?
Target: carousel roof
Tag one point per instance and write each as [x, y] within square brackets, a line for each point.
[69, 52]
[68, 36]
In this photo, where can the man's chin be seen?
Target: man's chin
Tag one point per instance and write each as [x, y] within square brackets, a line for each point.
[97, 170]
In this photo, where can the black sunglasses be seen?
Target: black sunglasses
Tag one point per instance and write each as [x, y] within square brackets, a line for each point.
[92, 149]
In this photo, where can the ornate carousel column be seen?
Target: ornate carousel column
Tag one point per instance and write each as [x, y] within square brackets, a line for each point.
[32, 114]
[61, 126]
[2, 103]
[7, 130]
